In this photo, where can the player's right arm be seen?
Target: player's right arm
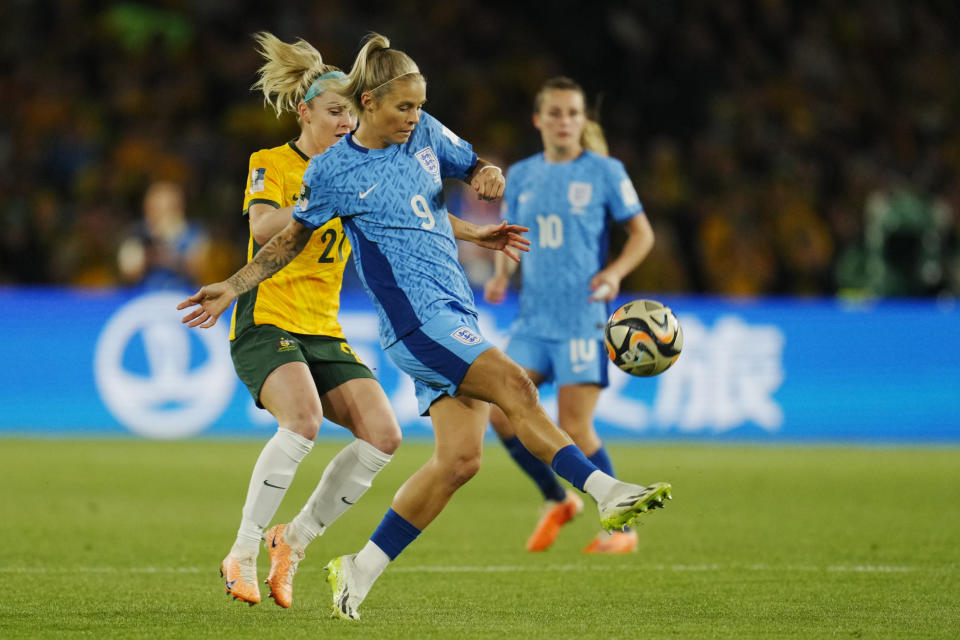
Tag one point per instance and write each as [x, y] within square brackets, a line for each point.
[214, 299]
[267, 221]
[264, 197]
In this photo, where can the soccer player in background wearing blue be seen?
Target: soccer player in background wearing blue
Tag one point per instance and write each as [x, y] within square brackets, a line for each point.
[570, 195]
[384, 181]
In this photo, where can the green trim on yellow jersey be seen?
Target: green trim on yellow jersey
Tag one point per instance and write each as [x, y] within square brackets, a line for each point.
[275, 205]
[293, 145]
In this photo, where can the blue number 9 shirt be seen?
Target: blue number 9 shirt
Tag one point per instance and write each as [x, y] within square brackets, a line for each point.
[392, 207]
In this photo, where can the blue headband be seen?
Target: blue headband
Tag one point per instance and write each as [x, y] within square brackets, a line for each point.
[317, 87]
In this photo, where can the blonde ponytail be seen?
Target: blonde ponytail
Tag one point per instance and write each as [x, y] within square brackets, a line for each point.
[593, 139]
[375, 67]
[289, 71]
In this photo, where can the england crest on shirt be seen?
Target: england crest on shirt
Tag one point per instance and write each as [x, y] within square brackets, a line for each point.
[428, 160]
[579, 195]
[257, 180]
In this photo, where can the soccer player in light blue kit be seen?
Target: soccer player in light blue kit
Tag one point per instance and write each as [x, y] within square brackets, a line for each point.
[385, 182]
[570, 195]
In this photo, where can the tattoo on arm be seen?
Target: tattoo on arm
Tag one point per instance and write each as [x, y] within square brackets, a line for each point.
[275, 255]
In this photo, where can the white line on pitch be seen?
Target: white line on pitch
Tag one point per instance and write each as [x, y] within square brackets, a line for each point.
[516, 569]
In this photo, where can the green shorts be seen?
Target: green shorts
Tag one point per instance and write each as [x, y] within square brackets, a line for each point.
[262, 348]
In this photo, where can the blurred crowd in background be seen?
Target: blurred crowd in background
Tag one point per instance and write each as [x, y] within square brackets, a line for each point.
[795, 147]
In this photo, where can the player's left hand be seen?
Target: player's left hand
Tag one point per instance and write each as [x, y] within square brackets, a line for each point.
[488, 183]
[604, 287]
[503, 237]
[211, 301]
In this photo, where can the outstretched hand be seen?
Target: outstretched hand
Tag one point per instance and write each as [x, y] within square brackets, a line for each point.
[212, 299]
[503, 237]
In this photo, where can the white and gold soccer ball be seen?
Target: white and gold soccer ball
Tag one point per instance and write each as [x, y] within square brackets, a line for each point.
[643, 338]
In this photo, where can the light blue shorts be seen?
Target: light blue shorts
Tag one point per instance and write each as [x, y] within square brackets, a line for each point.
[563, 362]
[438, 354]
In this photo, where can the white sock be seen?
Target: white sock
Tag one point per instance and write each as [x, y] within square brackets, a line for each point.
[271, 477]
[344, 481]
[370, 563]
[599, 484]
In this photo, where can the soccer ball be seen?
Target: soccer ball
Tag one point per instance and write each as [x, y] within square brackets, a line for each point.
[643, 338]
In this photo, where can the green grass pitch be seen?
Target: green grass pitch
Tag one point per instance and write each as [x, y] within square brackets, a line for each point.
[122, 538]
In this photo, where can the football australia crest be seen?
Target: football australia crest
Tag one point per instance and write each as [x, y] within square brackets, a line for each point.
[257, 180]
[579, 195]
[428, 160]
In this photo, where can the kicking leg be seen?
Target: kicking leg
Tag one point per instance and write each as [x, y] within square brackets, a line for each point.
[538, 471]
[496, 378]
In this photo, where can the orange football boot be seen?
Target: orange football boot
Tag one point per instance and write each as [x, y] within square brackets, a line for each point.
[554, 515]
[613, 542]
[240, 577]
[284, 561]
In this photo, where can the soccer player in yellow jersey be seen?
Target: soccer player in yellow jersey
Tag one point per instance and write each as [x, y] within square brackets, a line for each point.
[286, 342]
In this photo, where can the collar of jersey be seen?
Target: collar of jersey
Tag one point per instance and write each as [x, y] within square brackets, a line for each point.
[293, 145]
[543, 159]
[359, 147]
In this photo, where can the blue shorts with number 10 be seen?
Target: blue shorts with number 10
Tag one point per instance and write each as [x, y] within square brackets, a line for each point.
[438, 354]
[563, 362]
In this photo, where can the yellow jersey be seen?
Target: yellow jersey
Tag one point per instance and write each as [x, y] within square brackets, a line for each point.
[304, 296]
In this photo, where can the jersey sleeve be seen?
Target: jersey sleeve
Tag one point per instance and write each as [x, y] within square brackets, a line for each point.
[264, 182]
[456, 155]
[621, 197]
[314, 212]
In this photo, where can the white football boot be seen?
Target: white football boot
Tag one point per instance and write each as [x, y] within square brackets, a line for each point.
[348, 593]
[626, 501]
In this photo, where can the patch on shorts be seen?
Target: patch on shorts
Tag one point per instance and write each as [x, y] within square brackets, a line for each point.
[286, 344]
[466, 336]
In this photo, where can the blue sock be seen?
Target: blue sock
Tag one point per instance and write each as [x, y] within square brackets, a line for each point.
[602, 460]
[537, 469]
[571, 465]
[394, 534]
